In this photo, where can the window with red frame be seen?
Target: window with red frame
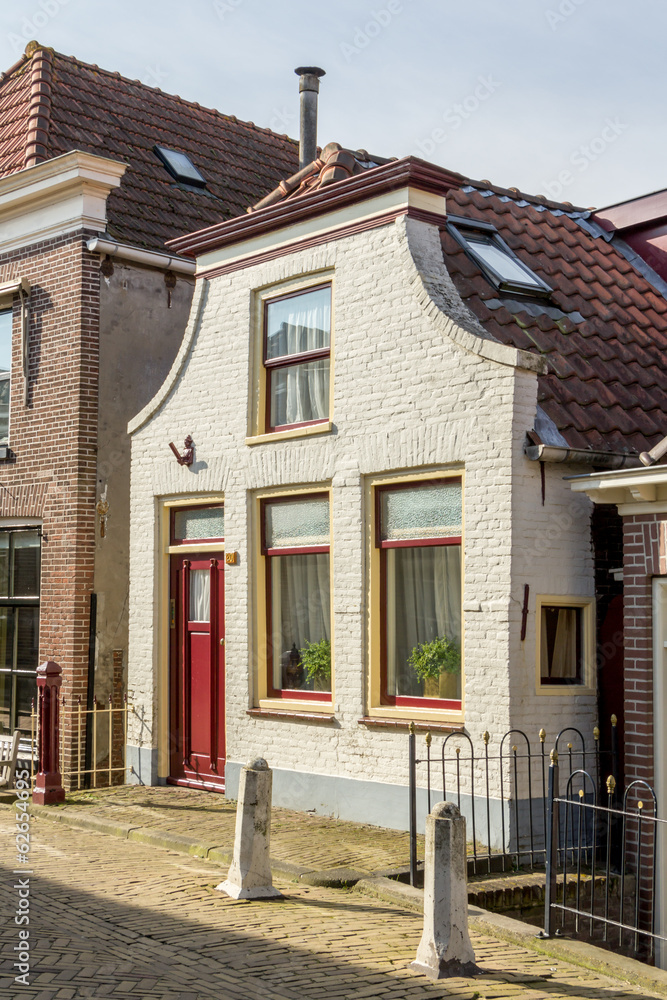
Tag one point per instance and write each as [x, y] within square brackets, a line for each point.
[197, 524]
[297, 341]
[295, 544]
[419, 535]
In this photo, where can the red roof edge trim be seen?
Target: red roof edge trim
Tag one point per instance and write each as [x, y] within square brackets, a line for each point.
[407, 172]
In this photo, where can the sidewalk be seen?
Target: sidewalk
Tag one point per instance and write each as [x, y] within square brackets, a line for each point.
[313, 854]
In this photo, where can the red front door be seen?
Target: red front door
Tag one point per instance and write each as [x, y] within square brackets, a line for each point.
[197, 672]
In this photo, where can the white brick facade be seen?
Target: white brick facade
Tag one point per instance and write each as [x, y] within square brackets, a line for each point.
[418, 386]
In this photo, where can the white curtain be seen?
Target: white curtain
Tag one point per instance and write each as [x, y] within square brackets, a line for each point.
[300, 606]
[200, 595]
[423, 601]
[299, 392]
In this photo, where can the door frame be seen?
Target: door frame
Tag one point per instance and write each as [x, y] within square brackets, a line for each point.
[161, 607]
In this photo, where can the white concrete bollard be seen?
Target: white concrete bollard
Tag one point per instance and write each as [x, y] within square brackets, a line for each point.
[249, 875]
[445, 948]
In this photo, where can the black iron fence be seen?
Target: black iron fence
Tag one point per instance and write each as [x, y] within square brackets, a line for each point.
[601, 861]
[500, 786]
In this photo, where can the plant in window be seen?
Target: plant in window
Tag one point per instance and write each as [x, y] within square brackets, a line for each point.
[431, 659]
[316, 661]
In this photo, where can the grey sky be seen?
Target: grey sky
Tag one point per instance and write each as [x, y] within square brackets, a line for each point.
[563, 97]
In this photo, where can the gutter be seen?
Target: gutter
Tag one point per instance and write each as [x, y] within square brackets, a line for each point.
[555, 453]
[150, 258]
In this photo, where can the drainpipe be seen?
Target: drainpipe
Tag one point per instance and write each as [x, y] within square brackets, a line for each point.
[309, 88]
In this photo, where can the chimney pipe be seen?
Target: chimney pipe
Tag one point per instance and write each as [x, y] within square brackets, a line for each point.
[309, 87]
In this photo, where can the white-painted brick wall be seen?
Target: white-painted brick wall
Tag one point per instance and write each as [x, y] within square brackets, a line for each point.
[416, 384]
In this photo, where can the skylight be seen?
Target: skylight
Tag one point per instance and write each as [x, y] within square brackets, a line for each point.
[180, 166]
[499, 264]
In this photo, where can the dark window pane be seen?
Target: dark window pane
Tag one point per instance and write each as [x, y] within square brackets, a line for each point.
[4, 563]
[26, 563]
[5, 702]
[423, 602]
[300, 608]
[6, 638]
[560, 645]
[26, 692]
[27, 645]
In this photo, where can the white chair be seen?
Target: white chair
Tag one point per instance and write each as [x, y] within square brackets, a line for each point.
[9, 750]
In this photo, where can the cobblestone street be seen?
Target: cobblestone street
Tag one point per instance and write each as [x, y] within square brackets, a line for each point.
[115, 918]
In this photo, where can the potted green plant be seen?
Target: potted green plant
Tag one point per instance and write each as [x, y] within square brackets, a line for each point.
[430, 660]
[316, 661]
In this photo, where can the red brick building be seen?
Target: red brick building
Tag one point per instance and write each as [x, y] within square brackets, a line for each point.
[96, 173]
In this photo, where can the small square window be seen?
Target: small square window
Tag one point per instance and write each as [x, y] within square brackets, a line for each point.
[561, 645]
[297, 346]
[197, 524]
[180, 166]
[499, 264]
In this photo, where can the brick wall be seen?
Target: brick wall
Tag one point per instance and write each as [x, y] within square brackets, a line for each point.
[51, 470]
[641, 537]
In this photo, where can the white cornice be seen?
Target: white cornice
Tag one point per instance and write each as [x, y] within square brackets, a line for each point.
[634, 491]
[58, 196]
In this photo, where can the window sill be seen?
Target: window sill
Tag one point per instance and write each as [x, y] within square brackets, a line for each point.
[274, 713]
[292, 705]
[422, 725]
[403, 715]
[296, 432]
[565, 690]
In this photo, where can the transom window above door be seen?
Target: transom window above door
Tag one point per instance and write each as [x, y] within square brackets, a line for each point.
[296, 358]
[197, 524]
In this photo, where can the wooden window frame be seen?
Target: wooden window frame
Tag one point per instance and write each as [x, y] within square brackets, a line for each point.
[399, 701]
[288, 694]
[269, 365]
[586, 606]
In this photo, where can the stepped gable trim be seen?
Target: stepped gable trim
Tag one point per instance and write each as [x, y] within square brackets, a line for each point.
[39, 112]
[250, 260]
[408, 172]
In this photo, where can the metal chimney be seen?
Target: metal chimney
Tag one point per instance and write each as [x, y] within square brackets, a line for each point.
[309, 88]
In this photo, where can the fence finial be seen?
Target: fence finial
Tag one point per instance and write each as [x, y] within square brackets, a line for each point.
[614, 720]
[596, 734]
[485, 736]
[581, 793]
[411, 729]
[611, 784]
[542, 735]
[554, 756]
[428, 739]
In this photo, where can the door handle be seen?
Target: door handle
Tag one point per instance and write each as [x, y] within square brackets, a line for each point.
[222, 642]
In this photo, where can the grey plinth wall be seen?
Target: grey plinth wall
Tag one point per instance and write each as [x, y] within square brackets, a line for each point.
[249, 876]
[445, 948]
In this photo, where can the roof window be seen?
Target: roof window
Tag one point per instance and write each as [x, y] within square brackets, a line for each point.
[180, 166]
[498, 263]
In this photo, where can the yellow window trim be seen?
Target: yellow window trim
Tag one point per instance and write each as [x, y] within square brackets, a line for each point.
[588, 685]
[375, 709]
[260, 697]
[257, 403]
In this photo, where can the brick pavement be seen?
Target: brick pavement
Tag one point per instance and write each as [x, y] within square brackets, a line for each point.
[119, 919]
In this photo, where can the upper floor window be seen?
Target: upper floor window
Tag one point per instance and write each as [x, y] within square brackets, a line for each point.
[499, 264]
[5, 371]
[297, 344]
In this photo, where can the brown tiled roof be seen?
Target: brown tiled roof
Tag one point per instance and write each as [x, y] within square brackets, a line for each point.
[603, 331]
[51, 104]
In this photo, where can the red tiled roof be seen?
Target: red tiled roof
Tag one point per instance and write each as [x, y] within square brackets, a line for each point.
[603, 332]
[51, 104]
